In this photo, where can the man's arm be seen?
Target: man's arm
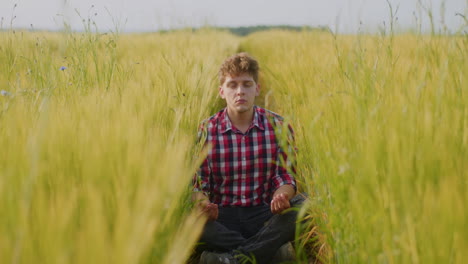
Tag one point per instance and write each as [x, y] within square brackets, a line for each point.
[285, 170]
[201, 182]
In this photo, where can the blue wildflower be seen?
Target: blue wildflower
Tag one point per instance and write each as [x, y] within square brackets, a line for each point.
[5, 93]
[63, 68]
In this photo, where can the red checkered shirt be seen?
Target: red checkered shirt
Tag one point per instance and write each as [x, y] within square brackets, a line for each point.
[245, 169]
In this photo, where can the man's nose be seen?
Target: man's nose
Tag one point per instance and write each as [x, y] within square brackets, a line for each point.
[240, 89]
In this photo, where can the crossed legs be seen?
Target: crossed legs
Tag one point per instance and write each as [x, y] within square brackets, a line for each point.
[251, 231]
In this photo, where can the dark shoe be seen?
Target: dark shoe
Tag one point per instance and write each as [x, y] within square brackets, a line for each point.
[285, 253]
[217, 258]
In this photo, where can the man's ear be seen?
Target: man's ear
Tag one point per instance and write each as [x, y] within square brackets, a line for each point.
[221, 92]
[257, 90]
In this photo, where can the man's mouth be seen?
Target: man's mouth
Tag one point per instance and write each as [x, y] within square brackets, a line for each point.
[241, 101]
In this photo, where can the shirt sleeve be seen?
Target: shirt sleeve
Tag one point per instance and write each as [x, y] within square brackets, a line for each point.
[286, 160]
[201, 179]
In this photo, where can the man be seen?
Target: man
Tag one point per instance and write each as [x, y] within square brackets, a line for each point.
[245, 186]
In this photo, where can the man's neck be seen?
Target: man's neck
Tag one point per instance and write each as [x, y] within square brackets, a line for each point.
[241, 121]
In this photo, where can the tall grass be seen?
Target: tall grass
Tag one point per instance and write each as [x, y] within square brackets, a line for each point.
[97, 139]
[383, 133]
[96, 157]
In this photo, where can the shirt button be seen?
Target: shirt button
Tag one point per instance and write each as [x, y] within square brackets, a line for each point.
[243, 158]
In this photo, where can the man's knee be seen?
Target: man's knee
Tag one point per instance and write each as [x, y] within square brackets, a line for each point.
[212, 232]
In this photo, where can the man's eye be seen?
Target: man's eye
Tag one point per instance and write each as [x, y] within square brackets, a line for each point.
[248, 84]
[232, 85]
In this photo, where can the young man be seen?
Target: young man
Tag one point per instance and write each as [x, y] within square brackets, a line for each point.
[245, 185]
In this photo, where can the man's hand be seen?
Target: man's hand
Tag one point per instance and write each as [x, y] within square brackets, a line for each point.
[279, 203]
[210, 210]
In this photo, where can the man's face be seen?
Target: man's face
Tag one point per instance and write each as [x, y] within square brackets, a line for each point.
[239, 92]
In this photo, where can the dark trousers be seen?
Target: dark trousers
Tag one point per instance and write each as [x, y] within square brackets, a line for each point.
[251, 230]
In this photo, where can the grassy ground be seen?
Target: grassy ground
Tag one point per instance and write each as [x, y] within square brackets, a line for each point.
[97, 132]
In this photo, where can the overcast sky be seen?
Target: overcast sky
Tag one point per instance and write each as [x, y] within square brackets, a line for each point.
[346, 16]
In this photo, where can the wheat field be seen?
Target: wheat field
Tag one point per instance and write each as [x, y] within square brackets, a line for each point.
[98, 131]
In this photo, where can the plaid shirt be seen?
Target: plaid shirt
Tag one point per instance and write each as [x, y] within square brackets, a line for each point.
[244, 169]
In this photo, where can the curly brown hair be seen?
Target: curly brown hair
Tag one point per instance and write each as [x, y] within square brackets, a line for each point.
[237, 64]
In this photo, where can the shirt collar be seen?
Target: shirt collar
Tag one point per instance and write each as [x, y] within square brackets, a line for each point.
[226, 124]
